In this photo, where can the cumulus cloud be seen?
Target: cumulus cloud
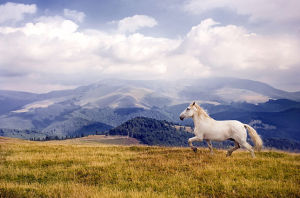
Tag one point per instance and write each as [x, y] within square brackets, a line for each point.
[132, 24]
[74, 15]
[52, 50]
[45, 47]
[270, 10]
[233, 48]
[15, 11]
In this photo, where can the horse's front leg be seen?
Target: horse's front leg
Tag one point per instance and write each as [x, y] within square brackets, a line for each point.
[191, 140]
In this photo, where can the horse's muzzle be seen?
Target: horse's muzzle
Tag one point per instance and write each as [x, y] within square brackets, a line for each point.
[181, 117]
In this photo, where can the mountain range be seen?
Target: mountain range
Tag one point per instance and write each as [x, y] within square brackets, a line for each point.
[108, 103]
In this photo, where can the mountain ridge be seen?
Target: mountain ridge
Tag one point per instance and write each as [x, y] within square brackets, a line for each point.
[113, 102]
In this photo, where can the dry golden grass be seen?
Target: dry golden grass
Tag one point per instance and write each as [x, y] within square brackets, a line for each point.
[77, 169]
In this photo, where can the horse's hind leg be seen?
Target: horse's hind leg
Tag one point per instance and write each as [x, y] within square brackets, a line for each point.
[249, 148]
[236, 146]
[210, 146]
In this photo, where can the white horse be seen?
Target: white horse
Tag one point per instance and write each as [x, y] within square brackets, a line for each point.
[206, 128]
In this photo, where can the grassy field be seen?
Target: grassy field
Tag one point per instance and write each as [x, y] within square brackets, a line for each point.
[75, 168]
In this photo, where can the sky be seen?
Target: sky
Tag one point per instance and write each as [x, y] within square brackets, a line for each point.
[50, 45]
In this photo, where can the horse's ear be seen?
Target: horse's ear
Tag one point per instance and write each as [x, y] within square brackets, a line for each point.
[194, 103]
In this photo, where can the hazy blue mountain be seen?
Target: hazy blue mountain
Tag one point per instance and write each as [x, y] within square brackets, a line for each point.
[146, 94]
[234, 89]
[13, 100]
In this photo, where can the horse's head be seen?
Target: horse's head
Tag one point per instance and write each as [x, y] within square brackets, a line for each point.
[189, 111]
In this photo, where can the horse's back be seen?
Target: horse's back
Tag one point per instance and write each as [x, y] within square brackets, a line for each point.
[231, 123]
[236, 129]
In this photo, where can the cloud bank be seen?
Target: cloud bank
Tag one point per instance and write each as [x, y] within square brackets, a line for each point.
[51, 52]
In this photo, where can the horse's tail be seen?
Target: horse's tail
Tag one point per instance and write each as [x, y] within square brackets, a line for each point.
[255, 137]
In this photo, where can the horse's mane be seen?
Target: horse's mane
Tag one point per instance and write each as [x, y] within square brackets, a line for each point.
[201, 112]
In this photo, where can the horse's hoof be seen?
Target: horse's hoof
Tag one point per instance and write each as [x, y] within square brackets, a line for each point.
[228, 154]
[195, 149]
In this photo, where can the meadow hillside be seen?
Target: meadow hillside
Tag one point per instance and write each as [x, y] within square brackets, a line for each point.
[84, 168]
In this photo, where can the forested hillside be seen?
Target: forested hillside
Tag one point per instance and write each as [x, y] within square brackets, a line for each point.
[152, 132]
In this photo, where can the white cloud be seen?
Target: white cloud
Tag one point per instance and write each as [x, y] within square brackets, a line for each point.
[270, 10]
[46, 47]
[132, 24]
[74, 15]
[54, 52]
[232, 49]
[138, 48]
[15, 11]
